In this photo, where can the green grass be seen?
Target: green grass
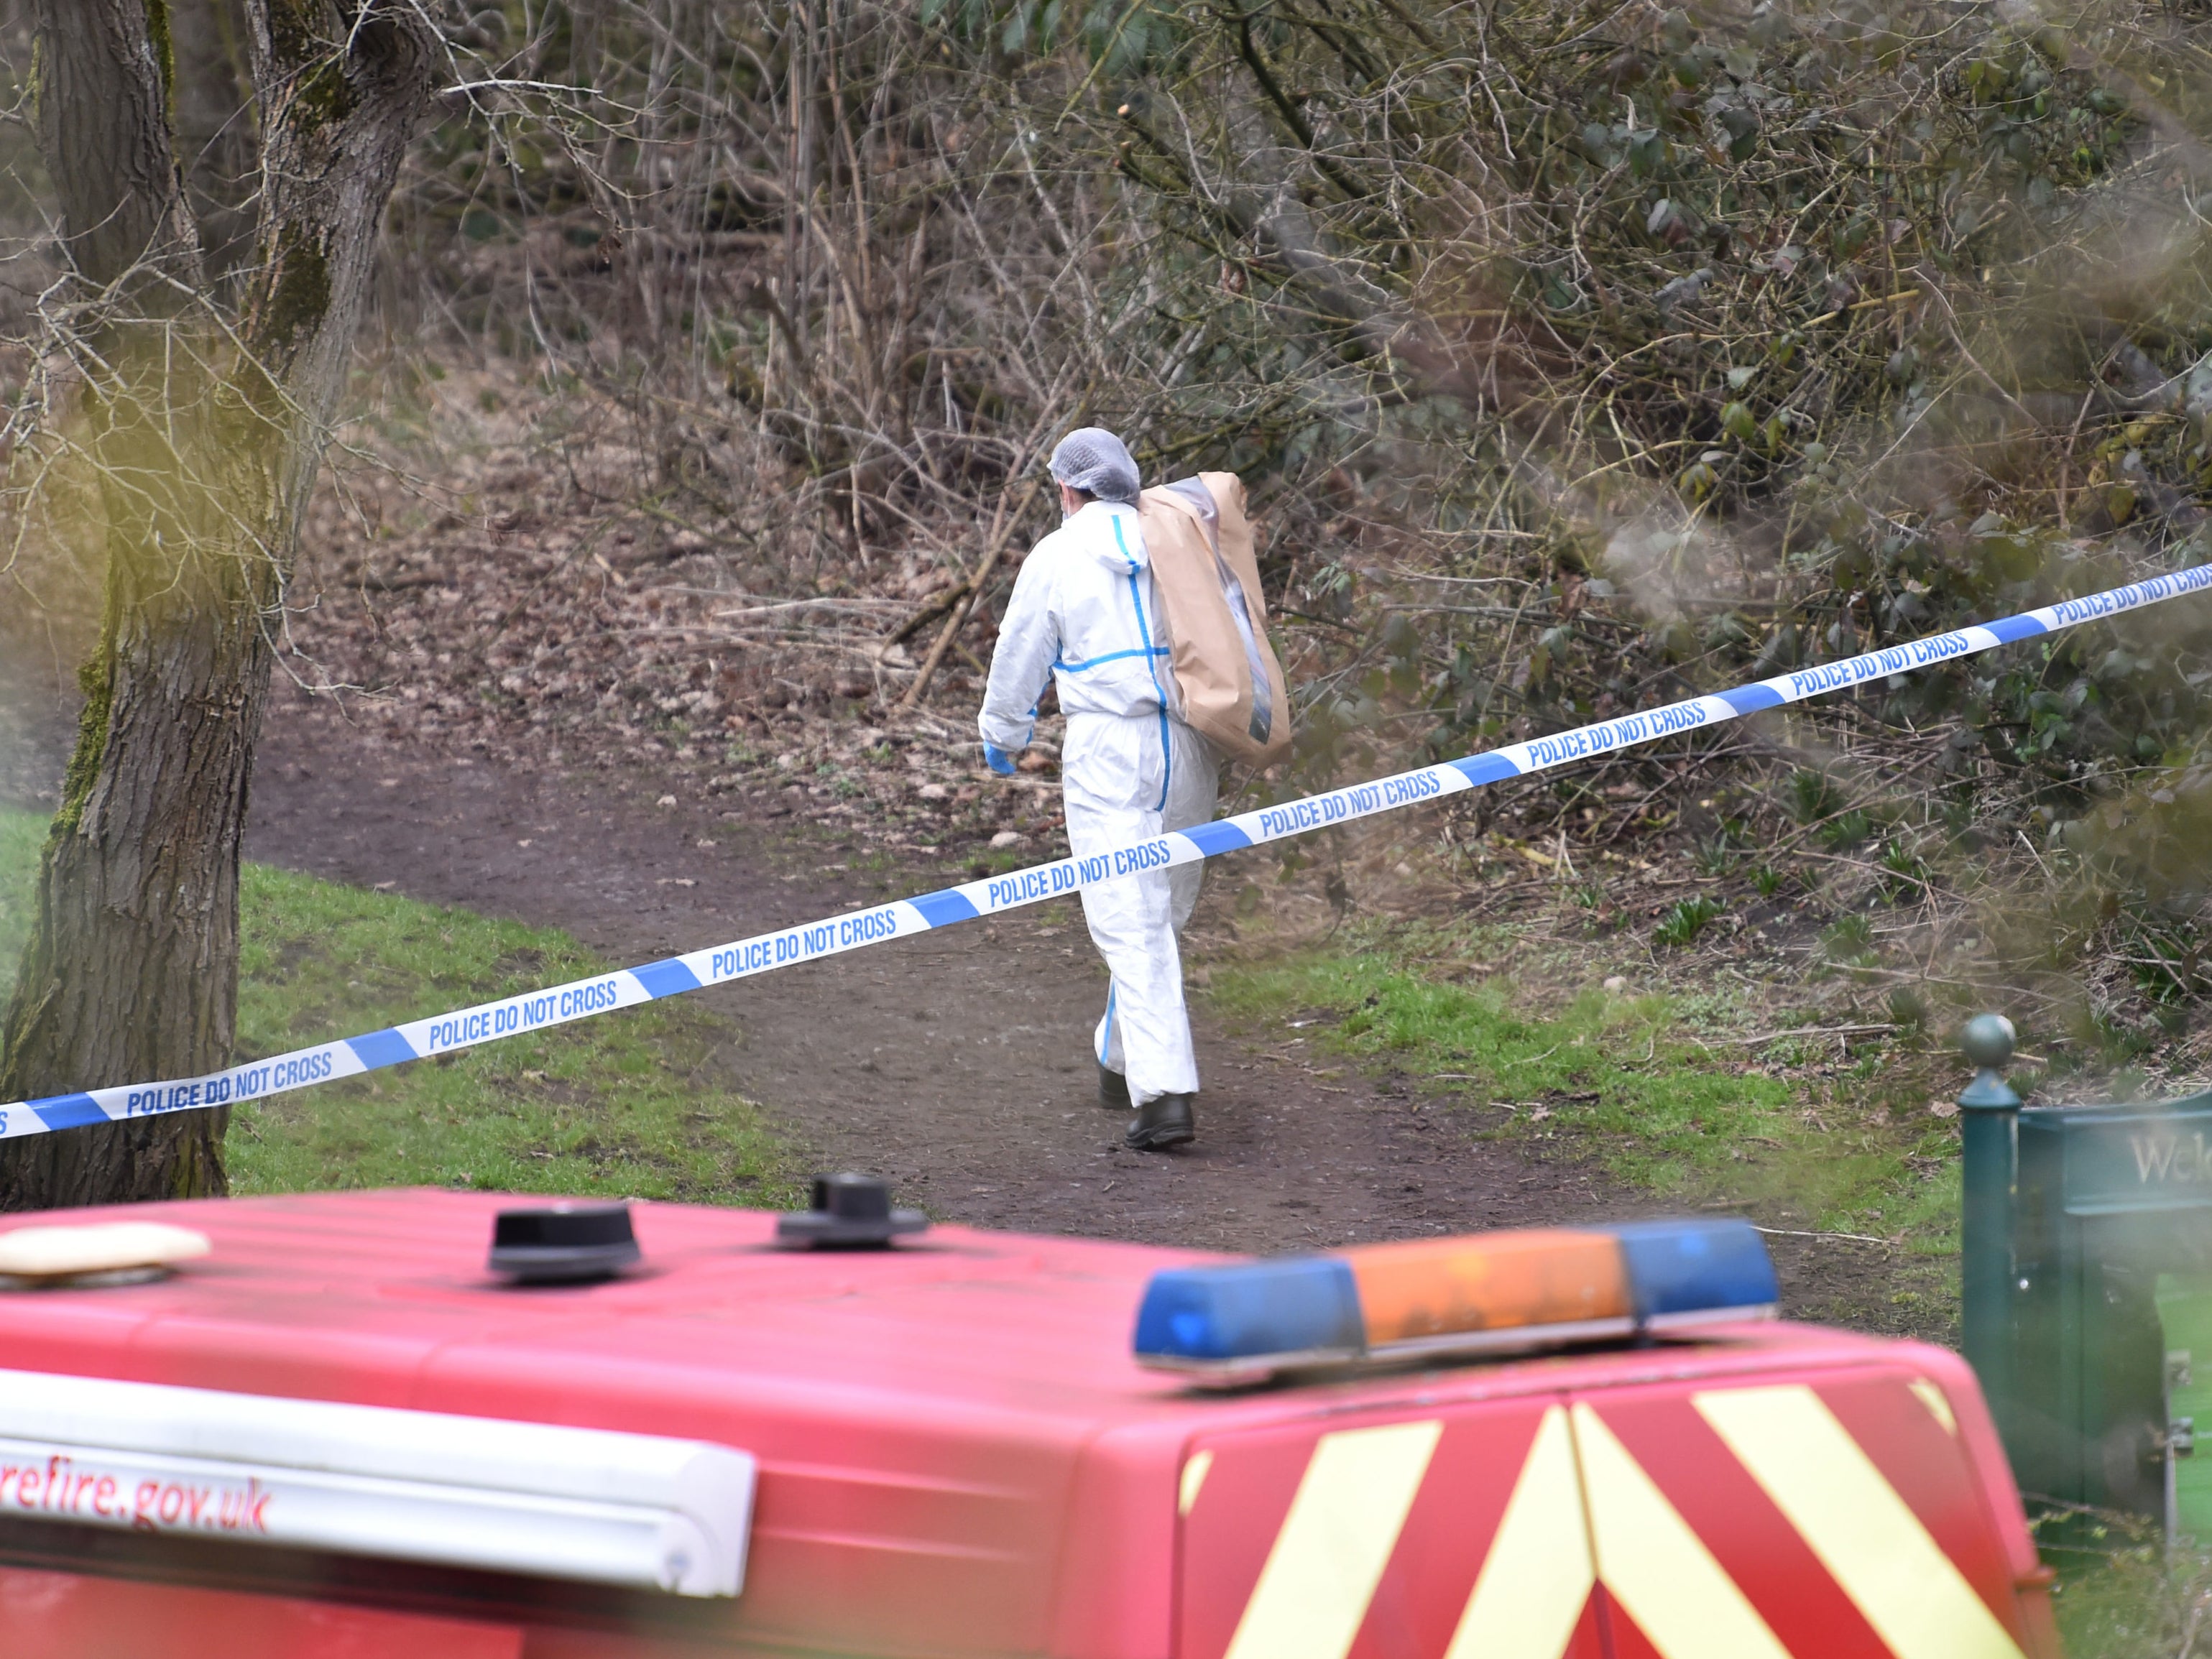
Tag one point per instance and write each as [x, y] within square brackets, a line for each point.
[1623, 1078]
[2143, 1602]
[631, 1104]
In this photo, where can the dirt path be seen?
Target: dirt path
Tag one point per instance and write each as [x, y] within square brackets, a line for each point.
[957, 1064]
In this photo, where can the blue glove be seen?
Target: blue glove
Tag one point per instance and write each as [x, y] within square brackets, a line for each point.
[997, 760]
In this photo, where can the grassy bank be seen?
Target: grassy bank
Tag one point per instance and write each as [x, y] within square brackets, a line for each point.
[1700, 1096]
[633, 1104]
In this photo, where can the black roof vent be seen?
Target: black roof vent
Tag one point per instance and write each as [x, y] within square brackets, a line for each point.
[563, 1243]
[849, 1212]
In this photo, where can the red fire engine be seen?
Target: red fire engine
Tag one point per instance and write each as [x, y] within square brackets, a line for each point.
[336, 1432]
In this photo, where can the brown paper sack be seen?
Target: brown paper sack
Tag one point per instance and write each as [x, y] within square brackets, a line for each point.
[1216, 621]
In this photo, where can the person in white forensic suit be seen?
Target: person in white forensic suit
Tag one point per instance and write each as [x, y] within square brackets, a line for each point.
[1085, 615]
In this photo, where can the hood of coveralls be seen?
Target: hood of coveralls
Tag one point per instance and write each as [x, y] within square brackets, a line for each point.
[1098, 522]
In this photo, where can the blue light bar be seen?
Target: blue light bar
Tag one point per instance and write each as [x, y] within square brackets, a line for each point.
[1300, 1308]
[1486, 1292]
[1680, 1268]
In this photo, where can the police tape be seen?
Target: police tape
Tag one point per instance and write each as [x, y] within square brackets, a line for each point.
[539, 1010]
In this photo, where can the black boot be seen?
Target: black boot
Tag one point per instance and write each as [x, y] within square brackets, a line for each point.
[1163, 1122]
[1113, 1089]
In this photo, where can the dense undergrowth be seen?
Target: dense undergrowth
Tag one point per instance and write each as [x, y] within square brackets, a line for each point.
[1579, 356]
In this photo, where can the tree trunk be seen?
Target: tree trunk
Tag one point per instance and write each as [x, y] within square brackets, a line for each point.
[206, 432]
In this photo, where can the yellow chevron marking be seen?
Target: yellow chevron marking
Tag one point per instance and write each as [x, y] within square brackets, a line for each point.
[1532, 1589]
[1194, 1476]
[1335, 1541]
[1865, 1534]
[1655, 1566]
[1938, 1404]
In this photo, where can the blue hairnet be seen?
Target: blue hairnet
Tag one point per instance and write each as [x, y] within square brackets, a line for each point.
[1091, 458]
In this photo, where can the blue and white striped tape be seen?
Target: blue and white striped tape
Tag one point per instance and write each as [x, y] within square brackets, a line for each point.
[538, 1011]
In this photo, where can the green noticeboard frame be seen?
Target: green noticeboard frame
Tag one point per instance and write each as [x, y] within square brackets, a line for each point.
[2109, 1327]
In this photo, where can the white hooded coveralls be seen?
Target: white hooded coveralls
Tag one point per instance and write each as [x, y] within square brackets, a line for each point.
[1084, 611]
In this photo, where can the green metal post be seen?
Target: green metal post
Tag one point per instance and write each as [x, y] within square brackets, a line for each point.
[1989, 1113]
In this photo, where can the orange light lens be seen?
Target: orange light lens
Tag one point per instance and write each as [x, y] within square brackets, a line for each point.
[1496, 1281]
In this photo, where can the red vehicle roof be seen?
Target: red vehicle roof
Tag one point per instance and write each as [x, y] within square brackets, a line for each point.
[957, 1454]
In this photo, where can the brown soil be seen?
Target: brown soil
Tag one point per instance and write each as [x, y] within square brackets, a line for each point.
[957, 1064]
